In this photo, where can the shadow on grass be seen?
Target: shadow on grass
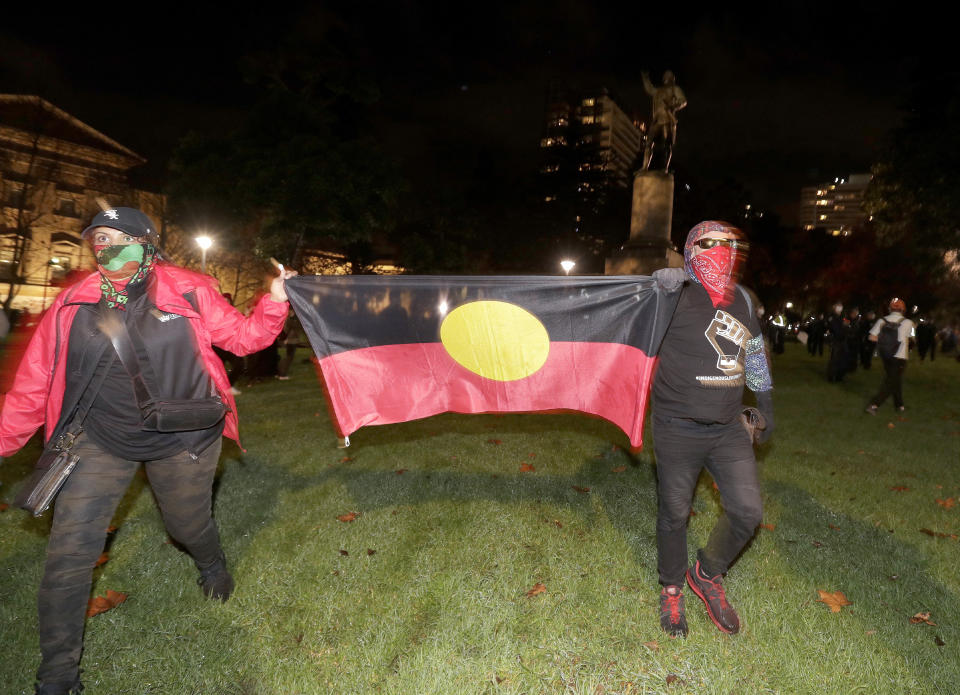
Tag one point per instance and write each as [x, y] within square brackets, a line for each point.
[882, 571]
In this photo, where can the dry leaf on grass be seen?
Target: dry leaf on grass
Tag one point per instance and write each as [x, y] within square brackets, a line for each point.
[401, 471]
[769, 527]
[101, 604]
[4, 506]
[923, 617]
[494, 441]
[102, 560]
[527, 468]
[947, 503]
[835, 600]
[347, 518]
[619, 469]
[652, 645]
[582, 490]
[899, 488]
[538, 588]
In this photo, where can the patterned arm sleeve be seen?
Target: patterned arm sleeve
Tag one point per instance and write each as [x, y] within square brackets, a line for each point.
[757, 366]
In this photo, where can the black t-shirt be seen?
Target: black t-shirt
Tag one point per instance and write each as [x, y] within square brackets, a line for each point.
[700, 371]
[171, 367]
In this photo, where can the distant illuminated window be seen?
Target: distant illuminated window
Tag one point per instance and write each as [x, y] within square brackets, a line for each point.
[589, 101]
[550, 168]
[586, 120]
[808, 227]
[823, 217]
[551, 142]
[549, 198]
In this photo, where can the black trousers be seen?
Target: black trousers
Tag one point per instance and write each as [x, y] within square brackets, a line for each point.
[892, 384]
[82, 513]
[684, 448]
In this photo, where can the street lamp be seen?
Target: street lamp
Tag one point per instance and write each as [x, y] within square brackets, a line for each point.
[567, 265]
[204, 242]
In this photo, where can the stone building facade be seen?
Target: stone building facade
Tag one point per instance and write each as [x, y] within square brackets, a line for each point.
[56, 172]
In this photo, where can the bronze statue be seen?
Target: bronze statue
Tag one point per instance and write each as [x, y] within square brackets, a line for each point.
[667, 100]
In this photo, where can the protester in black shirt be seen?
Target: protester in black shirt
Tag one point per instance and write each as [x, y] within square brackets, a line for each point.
[713, 347]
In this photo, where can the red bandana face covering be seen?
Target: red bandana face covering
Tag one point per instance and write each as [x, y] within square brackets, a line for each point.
[714, 270]
[717, 269]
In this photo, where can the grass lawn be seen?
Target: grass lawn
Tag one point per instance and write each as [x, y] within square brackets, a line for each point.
[434, 587]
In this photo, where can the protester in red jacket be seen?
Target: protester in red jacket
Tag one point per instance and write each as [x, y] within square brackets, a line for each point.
[70, 371]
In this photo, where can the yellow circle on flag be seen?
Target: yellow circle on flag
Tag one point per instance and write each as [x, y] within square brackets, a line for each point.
[496, 340]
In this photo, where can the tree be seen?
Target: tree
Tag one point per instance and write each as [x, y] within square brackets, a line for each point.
[914, 196]
[300, 173]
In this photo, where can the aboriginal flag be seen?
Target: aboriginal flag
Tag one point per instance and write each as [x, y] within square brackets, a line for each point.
[398, 348]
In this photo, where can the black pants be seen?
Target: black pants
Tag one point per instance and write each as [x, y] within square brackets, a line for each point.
[892, 384]
[684, 448]
[283, 368]
[82, 514]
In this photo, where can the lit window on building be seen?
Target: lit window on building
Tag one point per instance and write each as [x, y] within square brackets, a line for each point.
[549, 198]
[587, 120]
[808, 227]
[554, 141]
[823, 217]
[589, 101]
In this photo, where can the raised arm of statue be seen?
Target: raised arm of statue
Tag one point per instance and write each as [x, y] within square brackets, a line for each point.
[647, 84]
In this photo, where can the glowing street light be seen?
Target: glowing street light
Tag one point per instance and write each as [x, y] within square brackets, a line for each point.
[567, 265]
[789, 305]
[204, 242]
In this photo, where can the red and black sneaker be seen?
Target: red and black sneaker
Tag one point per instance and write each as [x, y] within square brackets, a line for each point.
[673, 615]
[711, 593]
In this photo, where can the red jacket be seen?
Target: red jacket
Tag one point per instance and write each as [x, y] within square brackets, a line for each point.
[36, 396]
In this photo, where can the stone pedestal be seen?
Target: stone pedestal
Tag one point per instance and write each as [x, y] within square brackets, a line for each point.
[651, 217]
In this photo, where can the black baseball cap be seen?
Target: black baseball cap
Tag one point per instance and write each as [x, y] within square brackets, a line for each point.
[128, 220]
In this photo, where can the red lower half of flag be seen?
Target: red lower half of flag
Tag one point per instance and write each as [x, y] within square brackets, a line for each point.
[397, 383]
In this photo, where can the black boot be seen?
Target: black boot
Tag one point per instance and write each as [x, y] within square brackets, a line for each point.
[59, 688]
[215, 581]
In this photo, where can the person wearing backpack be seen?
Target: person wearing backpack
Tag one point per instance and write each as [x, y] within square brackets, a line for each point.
[891, 334]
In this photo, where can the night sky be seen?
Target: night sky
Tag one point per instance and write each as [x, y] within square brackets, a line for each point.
[779, 97]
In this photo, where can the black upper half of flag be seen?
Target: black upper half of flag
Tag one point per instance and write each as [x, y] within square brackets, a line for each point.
[350, 312]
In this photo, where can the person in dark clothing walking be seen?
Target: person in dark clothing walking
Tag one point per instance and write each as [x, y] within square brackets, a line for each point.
[927, 339]
[172, 317]
[866, 345]
[712, 349]
[839, 330]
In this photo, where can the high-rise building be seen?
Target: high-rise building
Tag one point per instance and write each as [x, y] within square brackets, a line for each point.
[588, 143]
[835, 207]
[590, 149]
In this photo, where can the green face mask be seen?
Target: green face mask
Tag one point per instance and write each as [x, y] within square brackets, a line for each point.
[120, 261]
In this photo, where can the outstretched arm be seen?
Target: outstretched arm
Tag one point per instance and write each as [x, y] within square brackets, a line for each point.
[647, 84]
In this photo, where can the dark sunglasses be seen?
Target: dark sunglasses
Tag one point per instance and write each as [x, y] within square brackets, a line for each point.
[709, 243]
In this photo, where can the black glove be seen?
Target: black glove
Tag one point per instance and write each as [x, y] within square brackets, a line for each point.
[765, 406]
[670, 279]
